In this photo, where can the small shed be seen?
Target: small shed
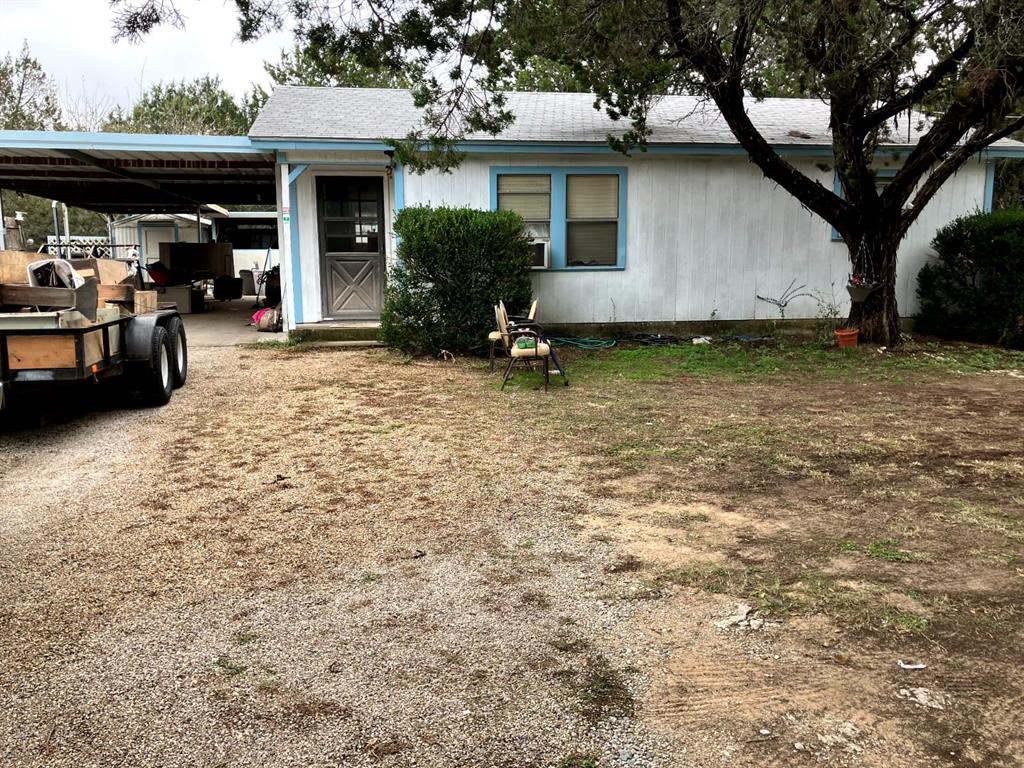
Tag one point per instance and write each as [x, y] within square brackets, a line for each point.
[145, 231]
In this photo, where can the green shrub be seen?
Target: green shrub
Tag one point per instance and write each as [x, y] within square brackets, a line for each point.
[454, 264]
[974, 291]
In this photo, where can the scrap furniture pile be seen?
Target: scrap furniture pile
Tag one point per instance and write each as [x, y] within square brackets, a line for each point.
[67, 320]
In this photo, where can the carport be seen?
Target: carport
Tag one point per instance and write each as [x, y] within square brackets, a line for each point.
[122, 173]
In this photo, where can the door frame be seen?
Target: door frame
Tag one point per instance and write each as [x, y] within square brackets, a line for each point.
[386, 222]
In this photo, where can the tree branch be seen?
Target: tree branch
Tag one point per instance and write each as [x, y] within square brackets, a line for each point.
[953, 162]
[921, 88]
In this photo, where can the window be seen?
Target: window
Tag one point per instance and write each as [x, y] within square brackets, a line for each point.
[351, 211]
[529, 195]
[252, 234]
[883, 178]
[592, 220]
[576, 215]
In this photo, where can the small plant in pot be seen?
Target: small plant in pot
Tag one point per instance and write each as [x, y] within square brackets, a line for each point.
[860, 287]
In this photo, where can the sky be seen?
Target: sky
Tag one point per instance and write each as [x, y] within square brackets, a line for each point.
[72, 39]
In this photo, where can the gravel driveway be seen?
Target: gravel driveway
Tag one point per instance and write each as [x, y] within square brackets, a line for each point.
[318, 558]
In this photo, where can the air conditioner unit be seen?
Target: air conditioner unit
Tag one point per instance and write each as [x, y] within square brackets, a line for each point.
[541, 253]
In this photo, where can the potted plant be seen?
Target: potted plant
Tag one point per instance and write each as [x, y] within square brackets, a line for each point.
[846, 338]
[860, 287]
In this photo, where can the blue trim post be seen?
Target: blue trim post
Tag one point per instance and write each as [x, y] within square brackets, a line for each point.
[399, 188]
[990, 185]
[559, 229]
[294, 172]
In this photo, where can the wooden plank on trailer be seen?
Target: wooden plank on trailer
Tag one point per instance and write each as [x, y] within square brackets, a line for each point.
[14, 266]
[145, 301]
[83, 298]
[39, 352]
[117, 293]
[107, 271]
[36, 296]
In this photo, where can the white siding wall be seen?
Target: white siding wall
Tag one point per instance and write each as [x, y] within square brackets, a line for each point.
[704, 235]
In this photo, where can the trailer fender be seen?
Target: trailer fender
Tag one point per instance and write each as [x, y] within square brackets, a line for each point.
[139, 341]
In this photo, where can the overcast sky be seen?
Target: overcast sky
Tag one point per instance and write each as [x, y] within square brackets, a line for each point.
[72, 40]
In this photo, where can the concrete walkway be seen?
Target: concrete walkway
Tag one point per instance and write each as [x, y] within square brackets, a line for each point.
[225, 324]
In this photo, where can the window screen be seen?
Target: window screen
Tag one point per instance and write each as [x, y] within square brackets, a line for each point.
[592, 220]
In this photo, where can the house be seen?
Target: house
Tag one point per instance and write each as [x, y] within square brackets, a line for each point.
[686, 231]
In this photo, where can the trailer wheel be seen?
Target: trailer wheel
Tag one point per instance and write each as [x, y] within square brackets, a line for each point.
[179, 351]
[156, 381]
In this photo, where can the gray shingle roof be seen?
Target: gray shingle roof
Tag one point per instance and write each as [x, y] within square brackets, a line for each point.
[298, 112]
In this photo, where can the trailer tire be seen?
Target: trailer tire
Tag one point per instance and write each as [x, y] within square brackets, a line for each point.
[179, 351]
[155, 382]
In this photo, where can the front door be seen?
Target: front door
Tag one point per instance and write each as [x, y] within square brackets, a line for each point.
[351, 246]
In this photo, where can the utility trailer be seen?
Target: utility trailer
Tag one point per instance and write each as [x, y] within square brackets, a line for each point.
[64, 335]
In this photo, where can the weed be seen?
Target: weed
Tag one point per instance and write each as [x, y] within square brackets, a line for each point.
[577, 760]
[245, 636]
[569, 644]
[683, 519]
[890, 551]
[535, 599]
[627, 564]
[846, 545]
[229, 667]
[903, 621]
[269, 685]
[370, 578]
[601, 689]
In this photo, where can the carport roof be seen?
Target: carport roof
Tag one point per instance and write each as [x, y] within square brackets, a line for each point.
[137, 173]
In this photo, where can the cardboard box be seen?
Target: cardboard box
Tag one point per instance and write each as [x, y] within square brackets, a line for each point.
[180, 295]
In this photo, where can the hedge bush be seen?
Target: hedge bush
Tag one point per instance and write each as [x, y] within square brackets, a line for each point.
[974, 291]
[454, 264]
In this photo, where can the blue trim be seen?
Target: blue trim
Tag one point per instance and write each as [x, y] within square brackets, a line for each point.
[837, 187]
[145, 142]
[990, 186]
[296, 170]
[399, 188]
[559, 227]
[293, 235]
[142, 142]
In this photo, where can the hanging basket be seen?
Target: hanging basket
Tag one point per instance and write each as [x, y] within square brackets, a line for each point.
[859, 293]
[846, 338]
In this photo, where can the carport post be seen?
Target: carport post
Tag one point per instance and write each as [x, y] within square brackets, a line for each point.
[289, 296]
[3, 224]
[56, 227]
[199, 227]
[67, 231]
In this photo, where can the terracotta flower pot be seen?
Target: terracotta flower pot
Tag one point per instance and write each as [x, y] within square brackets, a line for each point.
[846, 338]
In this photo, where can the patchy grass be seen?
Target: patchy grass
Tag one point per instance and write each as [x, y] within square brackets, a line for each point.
[600, 689]
[229, 667]
[578, 760]
[746, 361]
[245, 637]
[891, 551]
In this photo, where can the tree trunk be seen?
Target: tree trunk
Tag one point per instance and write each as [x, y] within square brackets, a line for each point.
[877, 317]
